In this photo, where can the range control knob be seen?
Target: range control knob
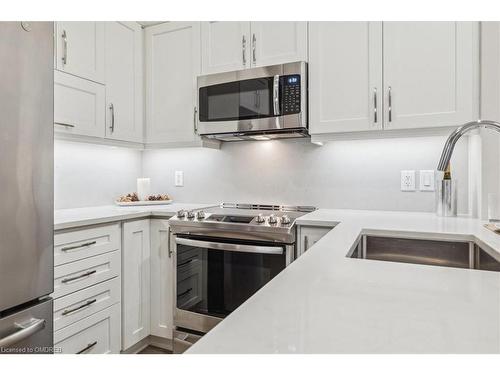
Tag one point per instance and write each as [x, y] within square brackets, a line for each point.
[285, 219]
[260, 219]
[200, 215]
[273, 219]
[190, 215]
[181, 214]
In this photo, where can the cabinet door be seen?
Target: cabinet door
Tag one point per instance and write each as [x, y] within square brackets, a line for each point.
[430, 73]
[80, 49]
[172, 65]
[124, 81]
[78, 105]
[345, 76]
[308, 236]
[161, 280]
[225, 46]
[135, 282]
[278, 42]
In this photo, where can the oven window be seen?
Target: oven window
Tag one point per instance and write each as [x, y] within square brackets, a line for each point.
[239, 100]
[216, 282]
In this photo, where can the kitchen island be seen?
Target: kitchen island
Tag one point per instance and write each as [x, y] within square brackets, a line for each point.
[327, 302]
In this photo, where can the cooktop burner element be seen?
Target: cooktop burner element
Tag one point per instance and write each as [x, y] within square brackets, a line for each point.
[242, 221]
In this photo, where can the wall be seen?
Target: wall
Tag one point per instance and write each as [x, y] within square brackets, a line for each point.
[362, 174]
[93, 175]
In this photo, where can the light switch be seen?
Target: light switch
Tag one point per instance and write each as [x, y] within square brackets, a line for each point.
[427, 180]
[407, 180]
[179, 178]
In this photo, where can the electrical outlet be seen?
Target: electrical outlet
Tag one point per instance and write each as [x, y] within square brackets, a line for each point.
[179, 178]
[427, 180]
[407, 180]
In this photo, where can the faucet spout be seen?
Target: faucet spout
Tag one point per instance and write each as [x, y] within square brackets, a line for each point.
[449, 146]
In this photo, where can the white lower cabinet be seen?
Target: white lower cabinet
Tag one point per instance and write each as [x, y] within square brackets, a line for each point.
[162, 301]
[308, 236]
[135, 282]
[96, 334]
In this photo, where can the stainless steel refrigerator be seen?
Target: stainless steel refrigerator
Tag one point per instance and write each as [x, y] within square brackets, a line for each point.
[26, 186]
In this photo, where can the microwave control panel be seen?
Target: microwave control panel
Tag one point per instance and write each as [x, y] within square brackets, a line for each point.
[290, 94]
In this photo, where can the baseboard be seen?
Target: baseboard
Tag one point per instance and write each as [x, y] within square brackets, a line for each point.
[157, 341]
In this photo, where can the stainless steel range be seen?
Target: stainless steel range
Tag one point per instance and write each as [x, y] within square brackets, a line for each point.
[223, 256]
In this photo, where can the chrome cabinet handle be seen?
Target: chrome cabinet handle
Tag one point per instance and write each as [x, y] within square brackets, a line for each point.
[276, 94]
[24, 331]
[89, 346]
[64, 124]
[88, 303]
[254, 44]
[244, 50]
[390, 104]
[168, 244]
[79, 246]
[65, 48]
[195, 123]
[112, 110]
[375, 105]
[67, 280]
[306, 243]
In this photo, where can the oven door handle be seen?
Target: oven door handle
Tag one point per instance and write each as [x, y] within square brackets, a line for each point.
[275, 250]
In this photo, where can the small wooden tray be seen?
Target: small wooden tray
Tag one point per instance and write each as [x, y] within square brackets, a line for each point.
[143, 203]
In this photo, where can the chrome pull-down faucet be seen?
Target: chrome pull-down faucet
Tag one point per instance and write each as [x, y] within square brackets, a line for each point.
[455, 136]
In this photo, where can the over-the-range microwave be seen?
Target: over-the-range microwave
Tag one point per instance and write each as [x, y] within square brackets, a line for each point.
[258, 103]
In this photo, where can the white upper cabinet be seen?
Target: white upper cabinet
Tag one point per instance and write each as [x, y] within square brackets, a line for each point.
[430, 74]
[135, 282]
[228, 46]
[162, 289]
[278, 42]
[80, 49]
[345, 70]
[172, 64]
[78, 106]
[124, 87]
[225, 46]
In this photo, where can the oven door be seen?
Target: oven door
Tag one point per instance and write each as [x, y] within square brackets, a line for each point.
[214, 278]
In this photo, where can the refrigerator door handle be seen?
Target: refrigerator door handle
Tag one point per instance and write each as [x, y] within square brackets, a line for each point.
[26, 330]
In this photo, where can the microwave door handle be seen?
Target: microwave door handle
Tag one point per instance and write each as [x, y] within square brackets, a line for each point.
[273, 250]
[276, 95]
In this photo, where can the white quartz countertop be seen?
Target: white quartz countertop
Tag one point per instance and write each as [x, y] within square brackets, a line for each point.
[76, 217]
[325, 302]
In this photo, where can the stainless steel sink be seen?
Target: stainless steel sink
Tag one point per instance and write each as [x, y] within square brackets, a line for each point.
[458, 254]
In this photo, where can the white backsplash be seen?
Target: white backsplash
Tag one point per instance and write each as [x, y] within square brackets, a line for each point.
[93, 175]
[363, 174]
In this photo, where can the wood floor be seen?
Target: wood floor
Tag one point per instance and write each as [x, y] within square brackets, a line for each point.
[154, 350]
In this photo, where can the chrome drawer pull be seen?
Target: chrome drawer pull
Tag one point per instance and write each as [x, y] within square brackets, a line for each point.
[89, 346]
[78, 277]
[64, 124]
[79, 246]
[184, 293]
[88, 303]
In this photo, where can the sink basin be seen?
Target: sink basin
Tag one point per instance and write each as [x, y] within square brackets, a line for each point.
[458, 254]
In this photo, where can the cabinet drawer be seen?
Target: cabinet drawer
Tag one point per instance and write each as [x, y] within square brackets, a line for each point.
[74, 276]
[84, 243]
[79, 106]
[96, 334]
[79, 305]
